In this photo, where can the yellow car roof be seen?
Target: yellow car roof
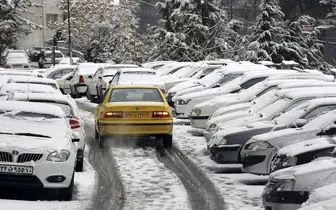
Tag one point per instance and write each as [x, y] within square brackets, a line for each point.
[133, 86]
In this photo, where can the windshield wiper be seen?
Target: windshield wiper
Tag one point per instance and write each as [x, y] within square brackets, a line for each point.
[6, 133]
[108, 75]
[32, 134]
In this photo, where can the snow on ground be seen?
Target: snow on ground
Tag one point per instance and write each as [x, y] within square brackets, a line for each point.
[240, 190]
[147, 182]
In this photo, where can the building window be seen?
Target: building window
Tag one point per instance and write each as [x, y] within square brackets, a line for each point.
[51, 19]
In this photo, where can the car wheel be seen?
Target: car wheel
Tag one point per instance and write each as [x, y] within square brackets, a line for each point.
[101, 141]
[168, 141]
[80, 162]
[66, 193]
[88, 95]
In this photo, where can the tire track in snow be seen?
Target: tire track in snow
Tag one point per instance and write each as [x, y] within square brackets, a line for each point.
[201, 191]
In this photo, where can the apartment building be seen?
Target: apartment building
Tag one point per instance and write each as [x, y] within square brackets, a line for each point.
[45, 14]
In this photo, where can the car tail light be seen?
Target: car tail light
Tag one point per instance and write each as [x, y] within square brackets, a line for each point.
[74, 123]
[160, 115]
[113, 115]
[81, 79]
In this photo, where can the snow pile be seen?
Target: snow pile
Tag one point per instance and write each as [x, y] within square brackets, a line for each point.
[322, 198]
[147, 182]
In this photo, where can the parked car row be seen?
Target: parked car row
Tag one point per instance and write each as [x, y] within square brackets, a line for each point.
[42, 132]
[280, 123]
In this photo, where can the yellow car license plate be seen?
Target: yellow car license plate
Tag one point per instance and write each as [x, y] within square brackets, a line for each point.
[137, 114]
[12, 169]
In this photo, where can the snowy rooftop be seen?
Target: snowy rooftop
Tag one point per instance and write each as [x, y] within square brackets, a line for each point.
[41, 108]
[25, 87]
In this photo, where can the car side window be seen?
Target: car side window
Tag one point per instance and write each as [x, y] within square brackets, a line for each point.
[66, 71]
[115, 78]
[266, 90]
[251, 82]
[318, 111]
[296, 103]
[57, 75]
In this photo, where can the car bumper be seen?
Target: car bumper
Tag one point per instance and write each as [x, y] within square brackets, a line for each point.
[131, 129]
[180, 111]
[41, 174]
[225, 153]
[292, 200]
[257, 162]
[199, 121]
[81, 89]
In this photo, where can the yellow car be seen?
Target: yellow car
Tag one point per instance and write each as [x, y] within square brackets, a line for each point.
[134, 111]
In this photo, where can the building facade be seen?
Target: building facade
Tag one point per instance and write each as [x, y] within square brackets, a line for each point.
[44, 14]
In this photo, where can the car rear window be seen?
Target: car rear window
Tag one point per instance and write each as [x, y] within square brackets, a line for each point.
[135, 94]
[139, 72]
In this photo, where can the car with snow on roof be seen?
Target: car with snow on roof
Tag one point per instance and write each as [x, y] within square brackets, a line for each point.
[99, 82]
[203, 111]
[36, 148]
[134, 110]
[185, 103]
[261, 149]
[289, 188]
[226, 144]
[34, 80]
[70, 108]
[10, 88]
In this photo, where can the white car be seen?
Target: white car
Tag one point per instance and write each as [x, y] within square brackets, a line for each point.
[64, 83]
[155, 64]
[10, 88]
[137, 76]
[218, 121]
[267, 145]
[75, 61]
[171, 68]
[288, 188]
[194, 71]
[47, 59]
[17, 60]
[5, 75]
[36, 148]
[184, 104]
[100, 80]
[223, 75]
[70, 109]
[203, 111]
[58, 71]
[34, 80]
[82, 73]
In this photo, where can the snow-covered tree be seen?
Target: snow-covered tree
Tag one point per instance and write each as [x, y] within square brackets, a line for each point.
[13, 23]
[263, 42]
[104, 31]
[331, 16]
[192, 30]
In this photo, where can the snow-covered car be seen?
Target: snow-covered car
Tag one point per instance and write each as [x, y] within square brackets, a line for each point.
[64, 83]
[5, 75]
[75, 61]
[185, 103]
[194, 71]
[226, 144]
[264, 147]
[171, 68]
[58, 71]
[322, 197]
[137, 76]
[304, 152]
[10, 88]
[267, 98]
[71, 112]
[201, 112]
[46, 60]
[100, 80]
[155, 64]
[220, 77]
[36, 148]
[288, 188]
[82, 73]
[33, 80]
[17, 60]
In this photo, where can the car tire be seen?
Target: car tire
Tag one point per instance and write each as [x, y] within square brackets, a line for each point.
[65, 194]
[101, 141]
[80, 162]
[168, 141]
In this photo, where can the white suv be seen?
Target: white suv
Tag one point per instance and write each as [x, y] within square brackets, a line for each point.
[39, 153]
